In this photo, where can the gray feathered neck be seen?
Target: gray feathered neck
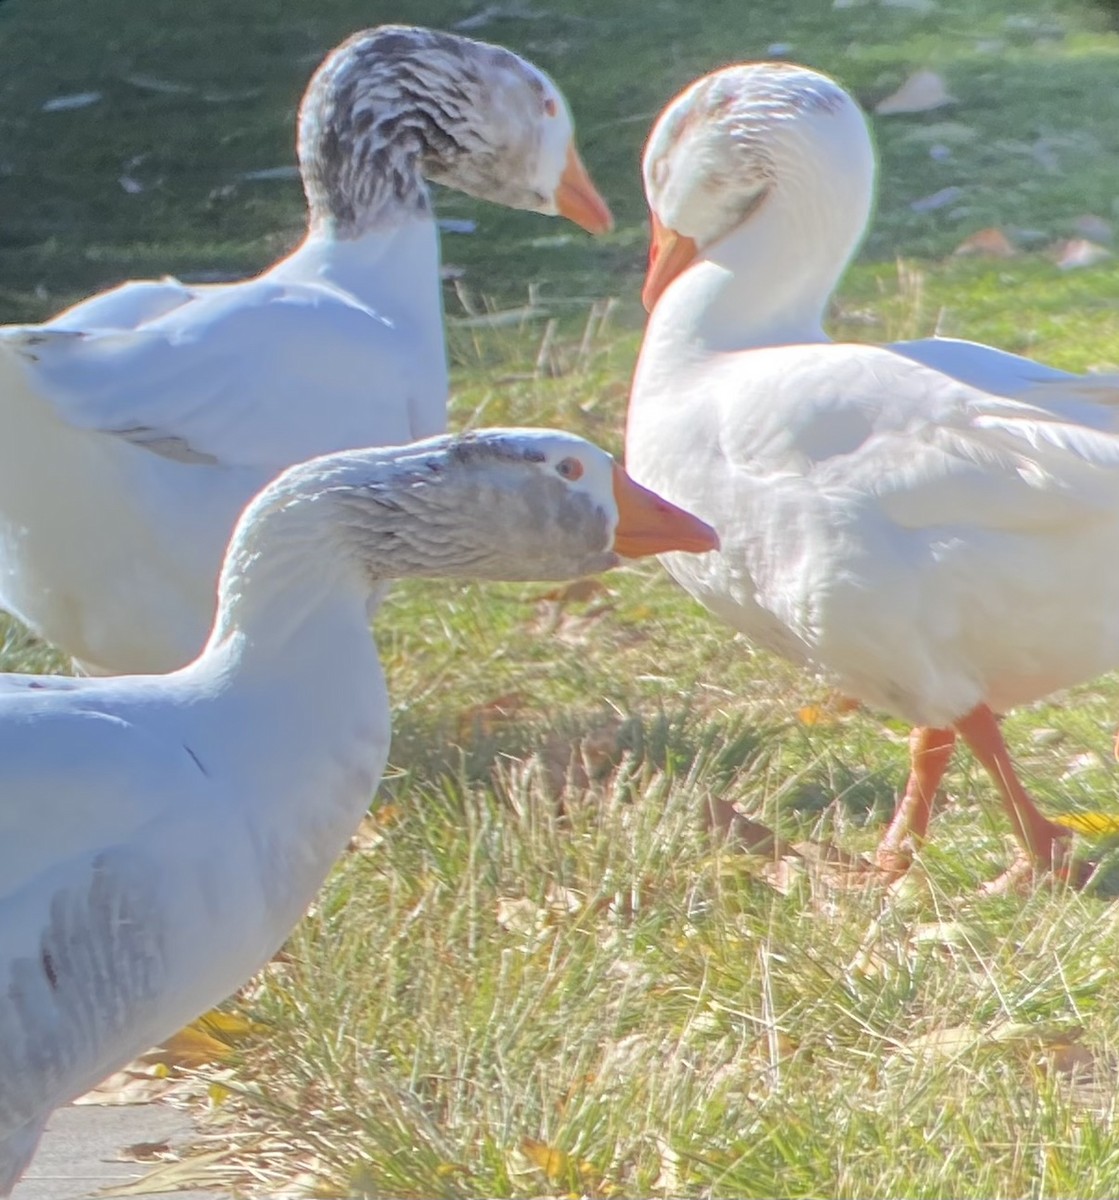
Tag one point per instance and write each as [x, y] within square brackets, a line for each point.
[391, 106]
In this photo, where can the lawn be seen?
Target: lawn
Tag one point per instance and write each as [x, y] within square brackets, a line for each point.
[543, 970]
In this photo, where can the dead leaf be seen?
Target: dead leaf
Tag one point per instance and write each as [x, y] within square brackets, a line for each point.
[178, 1176]
[578, 592]
[146, 1152]
[986, 243]
[784, 875]
[519, 914]
[1078, 252]
[921, 92]
[1091, 825]
[942, 1043]
[554, 1162]
[483, 720]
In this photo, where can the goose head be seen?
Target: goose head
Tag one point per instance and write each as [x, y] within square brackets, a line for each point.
[395, 105]
[499, 504]
[512, 504]
[748, 142]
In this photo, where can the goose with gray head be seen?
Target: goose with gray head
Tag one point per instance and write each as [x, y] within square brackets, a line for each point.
[139, 423]
[935, 523]
[163, 833]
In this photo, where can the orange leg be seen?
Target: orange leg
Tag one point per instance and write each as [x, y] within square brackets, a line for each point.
[930, 751]
[1043, 842]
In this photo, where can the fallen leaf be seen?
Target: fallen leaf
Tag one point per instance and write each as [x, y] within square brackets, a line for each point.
[192, 1046]
[518, 914]
[179, 1176]
[482, 720]
[942, 1043]
[921, 92]
[1091, 825]
[578, 592]
[549, 1159]
[146, 1152]
[986, 243]
[1078, 252]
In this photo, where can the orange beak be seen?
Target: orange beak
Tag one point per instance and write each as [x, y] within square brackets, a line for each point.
[669, 254]
[577, 198]
[648, 524]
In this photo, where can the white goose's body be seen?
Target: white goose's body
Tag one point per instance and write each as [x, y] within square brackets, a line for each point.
[936, 523]
[160, 835]
[139, 423]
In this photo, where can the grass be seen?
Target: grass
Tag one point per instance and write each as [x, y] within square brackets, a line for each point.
[540, 973]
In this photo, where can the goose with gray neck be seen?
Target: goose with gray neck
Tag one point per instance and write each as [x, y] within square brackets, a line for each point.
[164, 833]
[139, 423]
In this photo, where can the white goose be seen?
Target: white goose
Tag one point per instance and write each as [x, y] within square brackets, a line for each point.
[138, 424]
[163, 833]
[936, 523]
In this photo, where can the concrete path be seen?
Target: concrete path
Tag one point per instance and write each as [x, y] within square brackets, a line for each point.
[78, 1153]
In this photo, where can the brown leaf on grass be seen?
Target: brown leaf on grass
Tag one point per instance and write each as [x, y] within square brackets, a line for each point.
[784, 875]
[1019, 1038]
[572, 764]
[554, 1162]
[146, 1152]
[831, 864]
[921, 92]
[578, 592]
[574, 628]
[949, 1042]
[1074, 253]
[986, 243]
[518, 914]
[828, 711]
[484, 719]
[559, 1166]
[179, 1176]
[370, 832]
[744, 833]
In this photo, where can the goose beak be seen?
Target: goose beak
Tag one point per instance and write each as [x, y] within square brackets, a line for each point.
[669, 253]
[648, 524]
[577, 198]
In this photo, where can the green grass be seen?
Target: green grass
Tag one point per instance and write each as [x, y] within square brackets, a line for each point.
[543, 975]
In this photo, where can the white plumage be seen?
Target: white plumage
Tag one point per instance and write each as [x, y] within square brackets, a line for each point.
[934, 522]
[160, 835]
[138, 423]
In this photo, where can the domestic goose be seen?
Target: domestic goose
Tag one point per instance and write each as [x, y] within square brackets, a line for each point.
[139, 423]
[935, 523]
[161, 834]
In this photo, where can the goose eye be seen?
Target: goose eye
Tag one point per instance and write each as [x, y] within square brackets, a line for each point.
[550, 106]
[570, 469]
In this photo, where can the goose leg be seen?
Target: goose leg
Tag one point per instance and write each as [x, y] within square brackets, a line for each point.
[1044, 843]
[930, 751]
